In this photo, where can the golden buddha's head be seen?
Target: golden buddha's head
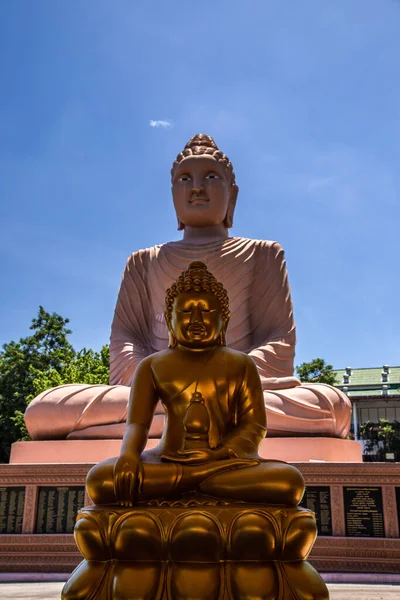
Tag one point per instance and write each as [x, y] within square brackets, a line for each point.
[197, 309]
[203, 185]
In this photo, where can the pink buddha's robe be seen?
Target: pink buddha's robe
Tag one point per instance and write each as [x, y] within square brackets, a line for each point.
[262, 325]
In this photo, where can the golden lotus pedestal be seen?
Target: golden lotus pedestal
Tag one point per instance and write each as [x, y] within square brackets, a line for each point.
[195, 548]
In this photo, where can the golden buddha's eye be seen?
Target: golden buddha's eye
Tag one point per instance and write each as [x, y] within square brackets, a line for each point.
[212, 175]
[184, 177]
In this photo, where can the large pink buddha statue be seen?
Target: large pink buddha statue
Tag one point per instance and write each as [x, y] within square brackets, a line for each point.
[254, 275]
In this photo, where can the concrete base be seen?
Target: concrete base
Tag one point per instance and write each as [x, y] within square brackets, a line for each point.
[31, 552]
[314, 449]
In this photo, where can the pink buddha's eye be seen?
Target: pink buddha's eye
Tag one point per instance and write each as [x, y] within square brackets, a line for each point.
[212, 175]
[184, 177]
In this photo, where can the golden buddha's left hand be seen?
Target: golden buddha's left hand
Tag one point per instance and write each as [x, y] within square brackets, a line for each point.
[198, 457]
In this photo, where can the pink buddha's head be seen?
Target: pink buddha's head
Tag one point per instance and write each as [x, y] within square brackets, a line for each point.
[203, 185]
[197, 309]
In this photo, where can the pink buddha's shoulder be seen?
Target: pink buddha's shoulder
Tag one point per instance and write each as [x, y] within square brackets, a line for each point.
[144, 253]
[259, 244]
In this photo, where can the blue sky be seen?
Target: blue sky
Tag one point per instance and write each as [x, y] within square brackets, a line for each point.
[304, 97]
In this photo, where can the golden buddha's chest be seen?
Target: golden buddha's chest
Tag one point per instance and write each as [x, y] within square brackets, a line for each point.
[178, 381]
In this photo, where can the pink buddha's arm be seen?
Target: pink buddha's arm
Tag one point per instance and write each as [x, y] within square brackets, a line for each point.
[271, 309]
[250, 429]
[129, 342]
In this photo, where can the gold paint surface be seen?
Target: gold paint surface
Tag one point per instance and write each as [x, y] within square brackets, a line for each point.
[202, 515]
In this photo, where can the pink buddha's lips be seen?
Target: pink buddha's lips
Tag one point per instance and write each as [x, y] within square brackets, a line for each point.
[198, 200]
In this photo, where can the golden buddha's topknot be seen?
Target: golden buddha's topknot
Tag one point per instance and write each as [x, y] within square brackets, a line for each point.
[201, 144]
[197, 278]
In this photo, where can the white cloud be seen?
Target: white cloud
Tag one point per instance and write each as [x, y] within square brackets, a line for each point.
[161, 123]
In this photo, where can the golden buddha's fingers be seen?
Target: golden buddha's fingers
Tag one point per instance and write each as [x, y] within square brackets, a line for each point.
[127, 478]
[132, 491]
[140, 477]
[120, 489]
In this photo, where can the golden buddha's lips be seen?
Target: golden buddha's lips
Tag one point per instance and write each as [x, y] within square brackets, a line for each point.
[197, 328]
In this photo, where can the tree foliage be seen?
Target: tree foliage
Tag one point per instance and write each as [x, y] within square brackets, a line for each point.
[316, 371]
[381, 438]
[37, 362]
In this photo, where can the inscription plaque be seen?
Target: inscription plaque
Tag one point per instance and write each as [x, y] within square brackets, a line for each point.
[12, 500]
[363, 511]
[58, 507]
[318, 499]
[398, 504]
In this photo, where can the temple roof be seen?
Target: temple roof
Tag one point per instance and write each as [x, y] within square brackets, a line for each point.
[369, 382]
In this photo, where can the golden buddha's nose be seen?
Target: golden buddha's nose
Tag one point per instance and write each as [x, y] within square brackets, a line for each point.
[196, 315]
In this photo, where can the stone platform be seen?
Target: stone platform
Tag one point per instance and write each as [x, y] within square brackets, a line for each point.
[334, 551]
[314, 449]
[195, 547]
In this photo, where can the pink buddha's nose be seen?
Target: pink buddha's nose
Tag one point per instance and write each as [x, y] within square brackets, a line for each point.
[198, 184]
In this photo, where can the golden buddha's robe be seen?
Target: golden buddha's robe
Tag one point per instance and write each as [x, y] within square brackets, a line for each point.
[262, 325]
[230, 388]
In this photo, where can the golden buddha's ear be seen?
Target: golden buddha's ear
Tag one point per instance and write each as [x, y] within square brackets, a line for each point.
[222, 335]
[228, 221]
[172, 340]
[171, 337]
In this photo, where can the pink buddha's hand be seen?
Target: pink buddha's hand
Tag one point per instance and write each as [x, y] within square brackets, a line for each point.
[128, 479]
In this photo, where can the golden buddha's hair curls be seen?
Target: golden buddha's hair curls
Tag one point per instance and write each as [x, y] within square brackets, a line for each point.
[197, 278]
[201, 144]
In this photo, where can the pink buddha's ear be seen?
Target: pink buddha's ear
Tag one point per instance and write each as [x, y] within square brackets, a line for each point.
[228, 221]
[181, 225]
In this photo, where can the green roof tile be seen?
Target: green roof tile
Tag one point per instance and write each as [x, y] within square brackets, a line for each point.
[368, 376]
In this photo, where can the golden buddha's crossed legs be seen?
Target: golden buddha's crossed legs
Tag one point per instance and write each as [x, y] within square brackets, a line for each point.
[270, 482]
[159, 478]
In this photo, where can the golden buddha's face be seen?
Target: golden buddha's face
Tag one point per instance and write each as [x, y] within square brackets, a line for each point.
[196, 320]
[202, 191]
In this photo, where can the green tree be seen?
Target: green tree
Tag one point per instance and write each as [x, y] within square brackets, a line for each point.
[47, 348]
[38, 362]
[316, 371]
[87, 366]
[381, 438]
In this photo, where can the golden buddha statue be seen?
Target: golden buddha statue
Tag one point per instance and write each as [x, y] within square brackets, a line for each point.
[215, 415]
[201, 516]
[253, 272]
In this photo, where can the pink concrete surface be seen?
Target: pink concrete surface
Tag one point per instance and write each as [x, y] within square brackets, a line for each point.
[92, 451]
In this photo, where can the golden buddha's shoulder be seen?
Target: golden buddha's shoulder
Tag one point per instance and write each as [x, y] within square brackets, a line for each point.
[234, 357]
[161, 357]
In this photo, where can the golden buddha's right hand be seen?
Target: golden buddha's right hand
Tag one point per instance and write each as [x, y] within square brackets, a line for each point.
[128, 479]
